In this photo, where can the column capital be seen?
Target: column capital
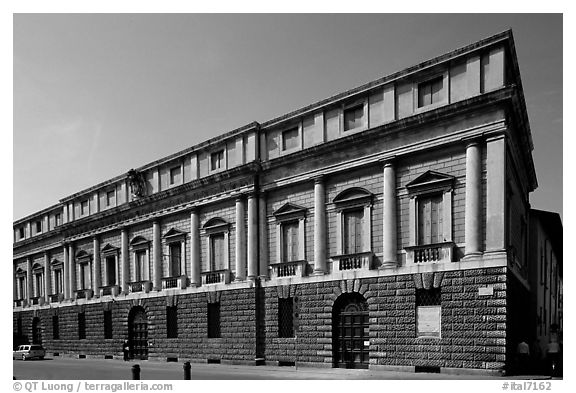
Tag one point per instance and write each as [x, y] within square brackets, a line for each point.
[472, 141]
[388, 161]
[319, 179]
[496, 136]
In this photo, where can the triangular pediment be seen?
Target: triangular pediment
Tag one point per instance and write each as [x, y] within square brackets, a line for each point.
[173, 232]
[109, 248]
[431, 179]
[290, 208]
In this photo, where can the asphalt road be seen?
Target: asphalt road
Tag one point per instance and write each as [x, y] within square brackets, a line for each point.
[100, 369]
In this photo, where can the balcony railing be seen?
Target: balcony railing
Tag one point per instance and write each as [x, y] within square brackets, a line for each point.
[20, 303]
[141, 286]
[358, 261]
[110, 290]
[37, 300]
[174, 282]
[288, 269]
[215, 277]
[430, 253]
[56, 297]
[84, 294]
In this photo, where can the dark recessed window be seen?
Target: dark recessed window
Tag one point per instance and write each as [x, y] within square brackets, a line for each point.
[81, 326]
[108, 324]
[353, 117]
[111, 198]
[57, 220]
[172, 322]
[175, 175]
[290, 139]
[19, 326]
[286, 317]
[429, 92]
[213, 320]
[428, 312]
[217, 160]
[55, 327]
[38, 226]
[84, 208]
[21, 233]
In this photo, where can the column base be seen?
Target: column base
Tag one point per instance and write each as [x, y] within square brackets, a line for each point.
[318, 273]
[386, 265]
[473, 256]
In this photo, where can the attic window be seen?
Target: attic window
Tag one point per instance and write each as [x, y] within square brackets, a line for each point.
[290, 139]
[429, 92]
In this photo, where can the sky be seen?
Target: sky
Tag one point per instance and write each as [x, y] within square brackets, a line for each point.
[95, 95]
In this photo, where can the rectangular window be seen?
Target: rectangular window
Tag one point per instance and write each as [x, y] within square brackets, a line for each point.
[429, 92]
[108, 324]
[38, 226]
[81, 326]
[213, 320]
[111, 198]
[55, 327]
[353, 117]
[290, 139]
[84, 208]
[21, 233]
[172, 322]
[84, 276]
[57, 281]
[217, 251]
[286, 317]
[39, 284]
[290, 241]
[140, 263]
[430, 220]
[428, 312]
[217, 160]
[353, 231]
[175, 175]
[22, 287]
[111, 270]
[175, 258]
[57, 220]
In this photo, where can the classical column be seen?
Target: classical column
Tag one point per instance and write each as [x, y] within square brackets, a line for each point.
[319, 227]
[252, 236]
[472, 222]
[97, 266]
[263, 236]
[195, 248]
[495, 193]
[389, 228]
[125, 261]
[47, 277]
[29, 282]
[72, 271]
[240, 240]
[66, 274]
[157, 258]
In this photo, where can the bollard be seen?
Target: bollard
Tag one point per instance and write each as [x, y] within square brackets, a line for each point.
[136, 372]
[187, 371]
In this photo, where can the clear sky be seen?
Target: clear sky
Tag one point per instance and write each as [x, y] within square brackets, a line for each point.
[98, 94]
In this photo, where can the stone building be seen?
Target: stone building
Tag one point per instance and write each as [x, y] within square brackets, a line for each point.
[380, 228]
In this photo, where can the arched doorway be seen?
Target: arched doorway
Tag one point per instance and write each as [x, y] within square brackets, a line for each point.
[138, 333]
[350, 331]
[36, 331]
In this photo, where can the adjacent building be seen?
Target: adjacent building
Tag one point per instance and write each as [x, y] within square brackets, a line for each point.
[385, 227]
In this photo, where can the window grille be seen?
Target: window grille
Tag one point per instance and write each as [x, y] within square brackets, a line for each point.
[55, 327]
[286, 317]
[172, 322]
[213, 320]
[108, 324]
[428, 297]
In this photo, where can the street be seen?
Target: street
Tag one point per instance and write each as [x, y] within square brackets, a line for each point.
[100, 369]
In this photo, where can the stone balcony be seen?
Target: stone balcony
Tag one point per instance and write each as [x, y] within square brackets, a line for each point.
[37, 300]
[178, 282]
[358, 261]
[140, 286]
[20, 303]
[84, 294]
[215, 277]
[430, 253]
[288, 269]
[56, 297]
[109, 290]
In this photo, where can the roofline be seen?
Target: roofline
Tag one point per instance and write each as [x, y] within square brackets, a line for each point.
[35, 215]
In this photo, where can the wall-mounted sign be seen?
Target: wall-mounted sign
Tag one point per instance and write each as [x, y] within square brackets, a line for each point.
[428, 321]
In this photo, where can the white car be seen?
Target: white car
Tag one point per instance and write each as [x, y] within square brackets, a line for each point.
[29, 351]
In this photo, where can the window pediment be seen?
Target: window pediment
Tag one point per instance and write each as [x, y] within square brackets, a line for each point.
[174, 235]
[289, 211]
[216, 224]
[139, 241]
[56, 264]
[20, 272]
[355, 196]
[37, 268]
[109, 249]
[83, 257]
[430, 181]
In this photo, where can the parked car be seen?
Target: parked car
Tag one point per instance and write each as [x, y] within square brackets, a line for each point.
[29, 351]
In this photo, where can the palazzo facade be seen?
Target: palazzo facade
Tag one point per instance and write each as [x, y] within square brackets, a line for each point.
[384, 227]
